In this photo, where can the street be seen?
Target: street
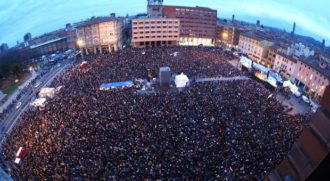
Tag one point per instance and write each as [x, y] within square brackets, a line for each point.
[11, 119]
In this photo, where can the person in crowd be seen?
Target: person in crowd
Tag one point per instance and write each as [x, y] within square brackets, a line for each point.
[209, 131]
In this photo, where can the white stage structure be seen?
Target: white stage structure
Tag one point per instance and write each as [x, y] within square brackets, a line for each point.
[181, 80]
[40, 102]
[47, 92]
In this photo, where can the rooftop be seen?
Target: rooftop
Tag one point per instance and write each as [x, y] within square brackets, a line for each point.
[151, 18]
[96, 20]
[314, 63]
[189, 7]
[260, 36]
[289, 57]
[47, 42]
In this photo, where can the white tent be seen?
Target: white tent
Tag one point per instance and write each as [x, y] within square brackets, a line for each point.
[181, 80]
[47, 92]
[40, 102]
[293, 88]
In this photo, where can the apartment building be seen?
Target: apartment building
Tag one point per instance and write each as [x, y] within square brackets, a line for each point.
[155, 32]
[197, 24]
[255, 45]
[285, 65]
[313, 74]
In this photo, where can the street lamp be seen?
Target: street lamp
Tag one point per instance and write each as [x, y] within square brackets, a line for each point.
[81, 43]
[225, 35]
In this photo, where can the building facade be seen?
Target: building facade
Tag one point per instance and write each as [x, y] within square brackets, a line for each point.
[313, 75]
[100, 34]
[50, 46]
[255, 46]
[285, 65]
[228, 36]
[270, 60]
[55, 41]
[197, 24]
[155, 32]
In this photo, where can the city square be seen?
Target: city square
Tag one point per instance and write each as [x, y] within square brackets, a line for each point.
[174, 93]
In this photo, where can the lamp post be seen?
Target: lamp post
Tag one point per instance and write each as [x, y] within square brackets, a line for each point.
[81, 43]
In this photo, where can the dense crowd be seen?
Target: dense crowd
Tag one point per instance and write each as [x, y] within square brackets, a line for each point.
[210, 131]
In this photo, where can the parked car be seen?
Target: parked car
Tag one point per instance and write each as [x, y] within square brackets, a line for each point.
[306, 99]
[314, 105]
[297, 94]
[18, 105]
[37, 84]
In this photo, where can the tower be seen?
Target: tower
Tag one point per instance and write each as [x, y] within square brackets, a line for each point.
[155, 2]
[323, 45]
[27, 37]
[293, 29]
[155, 8]
[233, 18]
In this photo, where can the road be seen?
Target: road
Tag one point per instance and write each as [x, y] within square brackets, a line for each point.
[12, 118]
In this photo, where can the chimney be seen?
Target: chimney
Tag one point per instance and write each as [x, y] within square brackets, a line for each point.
[233, 18]
[323, 44]
[293, 29]
[258, 22]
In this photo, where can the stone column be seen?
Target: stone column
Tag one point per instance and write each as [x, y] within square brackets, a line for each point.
[116, 47]
[109, 47]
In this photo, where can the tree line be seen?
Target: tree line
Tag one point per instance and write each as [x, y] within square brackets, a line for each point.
[14, 61]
